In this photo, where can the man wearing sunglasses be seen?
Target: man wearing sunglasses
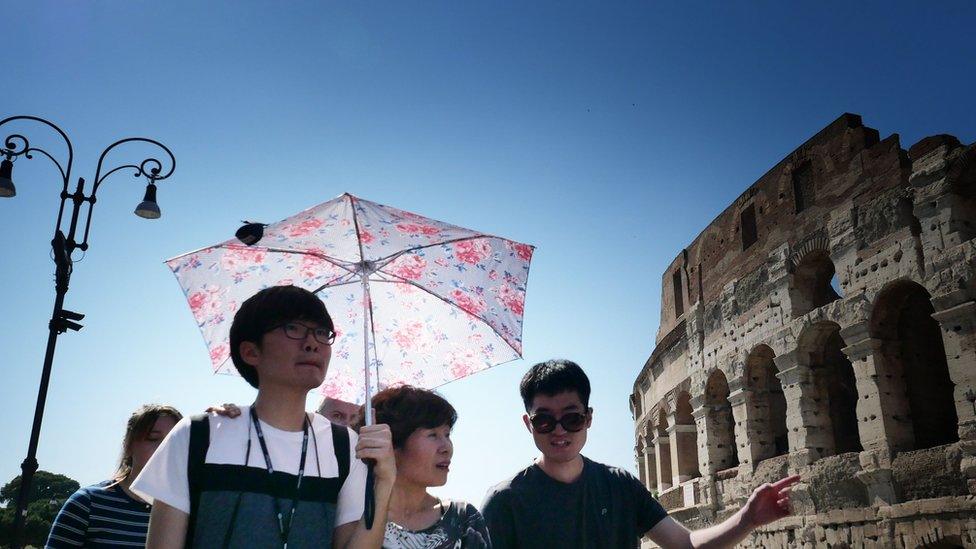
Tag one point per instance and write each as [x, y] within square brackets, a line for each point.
[567, 500]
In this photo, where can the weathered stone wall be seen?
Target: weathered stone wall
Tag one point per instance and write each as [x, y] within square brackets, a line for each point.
[824, 324]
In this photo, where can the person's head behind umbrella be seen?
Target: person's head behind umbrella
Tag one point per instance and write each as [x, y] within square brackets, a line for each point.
[420, 421]
[295, 312]
[341, 412]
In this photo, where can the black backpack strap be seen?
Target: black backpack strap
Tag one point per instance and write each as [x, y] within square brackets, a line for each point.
[340, 443]
[197, 456]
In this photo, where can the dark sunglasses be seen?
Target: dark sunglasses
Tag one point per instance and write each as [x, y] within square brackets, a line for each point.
[546, 423]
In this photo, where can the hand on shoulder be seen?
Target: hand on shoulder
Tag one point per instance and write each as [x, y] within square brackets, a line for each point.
[227, 409]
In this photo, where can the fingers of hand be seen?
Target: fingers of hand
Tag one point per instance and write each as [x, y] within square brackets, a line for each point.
[786, 482]
[380, 429]
[376, 454]
[375, 441]
[373, 436]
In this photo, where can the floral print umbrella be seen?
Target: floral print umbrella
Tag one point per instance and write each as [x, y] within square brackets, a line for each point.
[414, 300]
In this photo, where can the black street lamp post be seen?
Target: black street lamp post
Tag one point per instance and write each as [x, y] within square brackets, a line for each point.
[17, 145]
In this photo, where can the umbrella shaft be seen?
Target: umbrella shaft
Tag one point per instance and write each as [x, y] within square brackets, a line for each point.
[366, 333]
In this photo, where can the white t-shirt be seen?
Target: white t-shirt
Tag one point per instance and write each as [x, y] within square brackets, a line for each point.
[165, 475]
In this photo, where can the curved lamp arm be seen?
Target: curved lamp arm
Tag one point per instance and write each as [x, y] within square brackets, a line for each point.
[12, 150]
[150, 168]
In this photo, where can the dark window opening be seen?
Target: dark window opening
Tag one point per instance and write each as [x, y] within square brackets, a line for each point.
[679, 303]
[803, 187]
[749, 233]
[814, 283]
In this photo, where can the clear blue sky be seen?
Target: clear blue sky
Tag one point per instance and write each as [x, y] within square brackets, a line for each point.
[606, 135]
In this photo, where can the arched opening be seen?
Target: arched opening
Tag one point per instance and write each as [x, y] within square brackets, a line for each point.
[813, 283]
[720, 423]
[640, 449]
[662, 451]
[902, 316]
[767, 405]
[961, 178]
[834, 388]
[649, 459]
[685, 439]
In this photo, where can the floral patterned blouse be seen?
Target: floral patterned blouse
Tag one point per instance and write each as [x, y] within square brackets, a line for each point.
[460, 527]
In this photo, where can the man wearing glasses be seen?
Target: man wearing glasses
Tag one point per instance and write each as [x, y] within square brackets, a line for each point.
[567, 500]
[274, 476]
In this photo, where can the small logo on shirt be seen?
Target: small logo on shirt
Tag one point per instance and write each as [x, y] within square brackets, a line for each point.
[603, 511]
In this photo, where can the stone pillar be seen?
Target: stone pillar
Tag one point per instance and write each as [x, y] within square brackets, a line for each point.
[958, 325]
[662, 454]
[717, 449]
[650, 469]
[684, 452]
[883, 415]
[807, 418]
[703, 452]
[639, 458]
[747, 423]
[884, 422]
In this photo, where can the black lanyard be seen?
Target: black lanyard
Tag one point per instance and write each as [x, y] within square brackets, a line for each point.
[284, 528]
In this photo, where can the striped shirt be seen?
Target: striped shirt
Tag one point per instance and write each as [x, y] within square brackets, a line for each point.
[100, 516]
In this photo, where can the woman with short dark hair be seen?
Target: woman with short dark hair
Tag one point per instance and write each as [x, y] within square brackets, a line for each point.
[421, 423]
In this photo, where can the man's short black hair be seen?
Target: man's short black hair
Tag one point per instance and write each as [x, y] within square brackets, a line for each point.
[553, 377]
[267, 310]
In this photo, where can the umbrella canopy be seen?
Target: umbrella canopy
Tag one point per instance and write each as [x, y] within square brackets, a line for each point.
[413, 300]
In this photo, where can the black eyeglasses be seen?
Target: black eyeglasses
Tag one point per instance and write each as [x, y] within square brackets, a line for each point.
[294, 330]
[546, 423]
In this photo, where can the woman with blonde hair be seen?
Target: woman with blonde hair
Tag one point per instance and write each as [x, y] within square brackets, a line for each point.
[108, 513]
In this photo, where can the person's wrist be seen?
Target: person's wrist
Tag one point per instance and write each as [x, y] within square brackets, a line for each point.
[744, 519]
[383, 488]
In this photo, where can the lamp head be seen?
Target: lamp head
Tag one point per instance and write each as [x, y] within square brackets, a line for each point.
[250, 233]
[7, 188]
[148, 208]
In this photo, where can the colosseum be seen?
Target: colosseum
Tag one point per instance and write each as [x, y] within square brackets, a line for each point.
[824, 324]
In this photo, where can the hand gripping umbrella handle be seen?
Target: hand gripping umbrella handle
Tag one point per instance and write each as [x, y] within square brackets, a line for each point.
[369, 510]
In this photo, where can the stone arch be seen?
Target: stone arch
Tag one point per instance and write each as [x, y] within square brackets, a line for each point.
[914, 359]
[961, 176]
[766, 403]
[685, 439]
[813, 281]
[833, 389]
[720, 425]
[636, 404]
[961, 179]
[662, 449]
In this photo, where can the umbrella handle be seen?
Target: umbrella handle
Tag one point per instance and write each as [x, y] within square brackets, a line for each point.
[369, 509]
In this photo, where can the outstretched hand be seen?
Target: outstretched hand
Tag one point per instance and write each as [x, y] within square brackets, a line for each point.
[769, 502]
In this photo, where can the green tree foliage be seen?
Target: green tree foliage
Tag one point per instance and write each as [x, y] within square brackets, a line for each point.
[46, 486]
[47, 495]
